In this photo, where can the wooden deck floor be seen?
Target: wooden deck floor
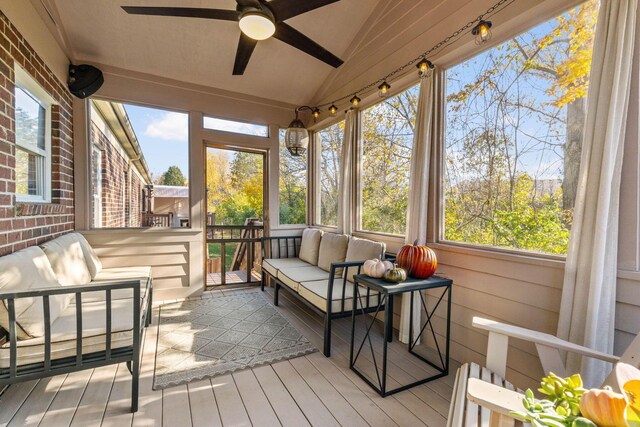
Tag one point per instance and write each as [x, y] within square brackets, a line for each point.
[309, 390]
[232, 277]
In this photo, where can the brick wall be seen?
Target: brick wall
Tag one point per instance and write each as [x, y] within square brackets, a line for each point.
[23, 224]
[121, 188]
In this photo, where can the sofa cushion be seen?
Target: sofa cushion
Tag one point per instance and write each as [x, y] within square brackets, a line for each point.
[29, 269]
[292, 276]
[316, 293]
[67, 260]
[310, 245]
[142, 273]
[63, 333]
[333, 248]
[91, 258]
[362, 250]
[275, 264]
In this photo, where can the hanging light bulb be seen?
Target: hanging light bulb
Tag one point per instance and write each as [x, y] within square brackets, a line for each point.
[355, 100]
[482, 31]
[383, 89]
[424, 68]
[315, 113]
[333, 110]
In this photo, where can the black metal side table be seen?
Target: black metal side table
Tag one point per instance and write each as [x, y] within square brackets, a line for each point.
[388, 291]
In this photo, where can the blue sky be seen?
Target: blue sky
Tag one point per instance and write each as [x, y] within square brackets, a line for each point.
[163, 136]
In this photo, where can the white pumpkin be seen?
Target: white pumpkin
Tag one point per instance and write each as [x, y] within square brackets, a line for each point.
[376, 268]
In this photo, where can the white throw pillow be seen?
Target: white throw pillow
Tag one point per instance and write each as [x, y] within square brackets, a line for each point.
[310, 245]
[67, 260]
[29, 269]
[333, 248]
[362, 250]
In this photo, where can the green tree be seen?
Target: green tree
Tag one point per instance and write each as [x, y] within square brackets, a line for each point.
[173, 176]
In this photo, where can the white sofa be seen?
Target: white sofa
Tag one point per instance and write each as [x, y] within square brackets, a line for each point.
[47, 293]
[319, 267]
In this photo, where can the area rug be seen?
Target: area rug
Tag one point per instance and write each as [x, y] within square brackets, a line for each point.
[208, 337]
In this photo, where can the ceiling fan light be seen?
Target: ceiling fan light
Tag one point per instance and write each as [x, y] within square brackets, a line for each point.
[257, 25]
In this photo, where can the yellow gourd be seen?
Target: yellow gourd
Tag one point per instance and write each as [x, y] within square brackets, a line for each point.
[604, 407]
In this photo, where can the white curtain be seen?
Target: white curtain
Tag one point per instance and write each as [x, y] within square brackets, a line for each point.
[345, 183]
[589, 293]
[419, 192]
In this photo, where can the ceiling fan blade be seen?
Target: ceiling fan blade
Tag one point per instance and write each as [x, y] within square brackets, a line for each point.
[186, 12]
[293, 37]
[285, 9]
[243, 54]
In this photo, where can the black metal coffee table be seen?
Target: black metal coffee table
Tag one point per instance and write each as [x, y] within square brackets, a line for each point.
[388, 291]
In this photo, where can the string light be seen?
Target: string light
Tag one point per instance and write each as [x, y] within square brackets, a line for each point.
[478, 27]
[315, 113]
[383, 89]
[424, 68]
[482, 31]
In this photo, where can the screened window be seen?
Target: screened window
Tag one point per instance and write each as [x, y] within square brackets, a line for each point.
[330, 145]
[293, 186]
[233, 126]
[387, 143]
[514, 120]
[33, 140]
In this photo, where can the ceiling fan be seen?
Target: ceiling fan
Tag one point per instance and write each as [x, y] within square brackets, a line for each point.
[258, 20]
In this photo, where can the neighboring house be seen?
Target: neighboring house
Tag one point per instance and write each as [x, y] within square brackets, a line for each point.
[170, 200]
[119, 172]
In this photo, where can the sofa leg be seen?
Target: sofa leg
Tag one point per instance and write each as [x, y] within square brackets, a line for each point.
[276, 292]
[135, 378]
[327, 335]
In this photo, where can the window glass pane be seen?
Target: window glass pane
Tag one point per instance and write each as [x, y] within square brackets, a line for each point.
[28, 171]
[30, 120]
[515, 115]
[236, 127]
[293, 186]
[387, 143]
[330, 140]
[139, 166]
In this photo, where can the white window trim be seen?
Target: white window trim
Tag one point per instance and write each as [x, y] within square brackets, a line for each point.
[25, 82]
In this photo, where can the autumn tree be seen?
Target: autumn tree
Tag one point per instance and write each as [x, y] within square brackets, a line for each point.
[330, 140]
[292, 186]
[515, 117]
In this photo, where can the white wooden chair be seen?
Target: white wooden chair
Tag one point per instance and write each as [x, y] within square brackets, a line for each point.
[481, 396]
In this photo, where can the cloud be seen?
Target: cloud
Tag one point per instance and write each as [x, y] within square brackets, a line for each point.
[169, 126]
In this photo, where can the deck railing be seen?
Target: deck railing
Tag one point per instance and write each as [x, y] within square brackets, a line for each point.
[157, 220]
[247, 240]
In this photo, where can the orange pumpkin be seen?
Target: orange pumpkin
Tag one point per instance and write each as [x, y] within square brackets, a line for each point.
[418, 261]
[603, 407]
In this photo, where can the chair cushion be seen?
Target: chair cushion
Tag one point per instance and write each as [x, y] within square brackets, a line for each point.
[29, 269]
[310, 245]
[333, 248]
[67, 260]
[93, 262]
[275, 264]
[63, 333]
[316, 293]
[362, 250]
[292, 276]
